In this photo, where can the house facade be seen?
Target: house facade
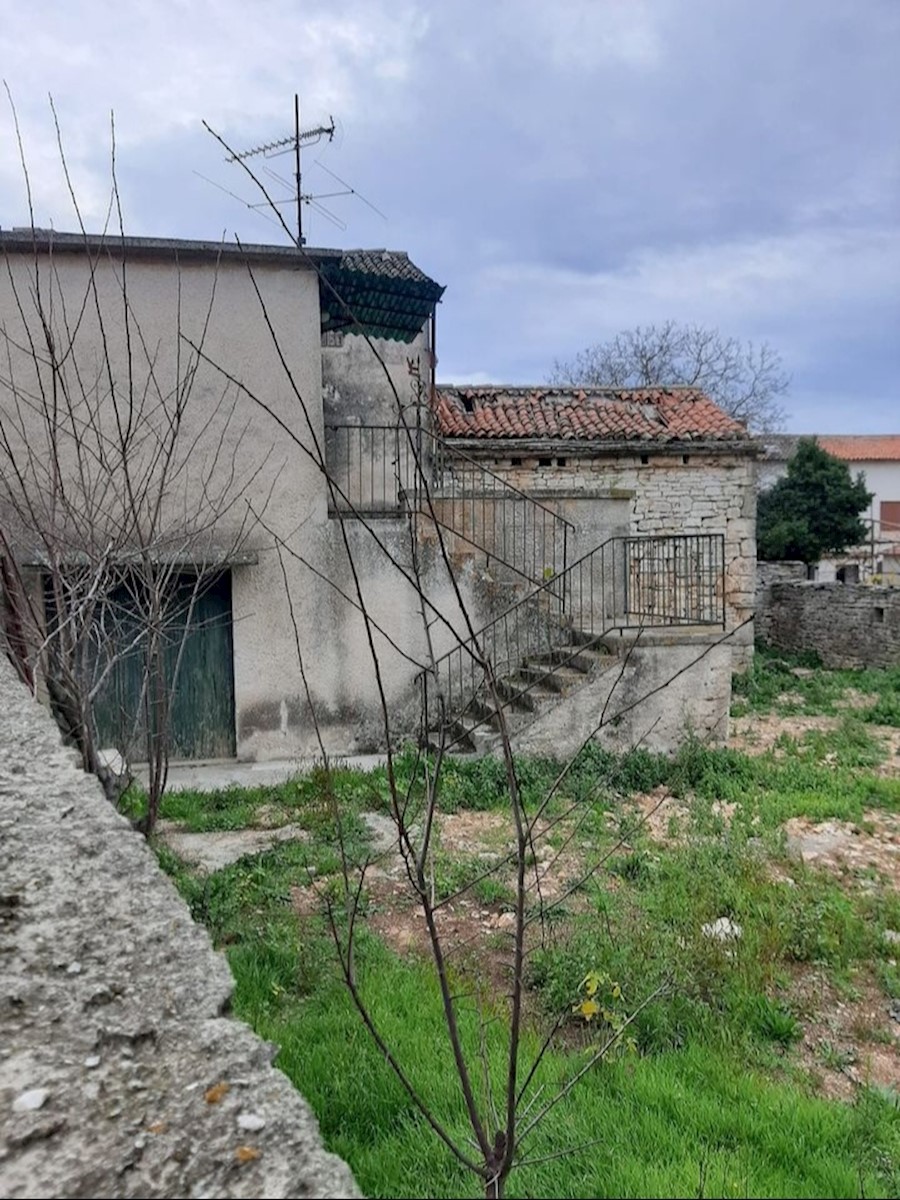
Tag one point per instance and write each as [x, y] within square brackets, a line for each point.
[656, 462]
[251, 333]
[877, 456]
[266, 419]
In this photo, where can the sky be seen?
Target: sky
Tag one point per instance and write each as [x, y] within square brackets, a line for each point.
[566, 170]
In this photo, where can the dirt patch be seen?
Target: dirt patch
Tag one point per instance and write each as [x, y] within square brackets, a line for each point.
[476, 832]
[849, 1039]
[890, 736]
[661, 816]
[667, 820]
[852, 851]
[477, 937]
[756, 733]
[854, 699]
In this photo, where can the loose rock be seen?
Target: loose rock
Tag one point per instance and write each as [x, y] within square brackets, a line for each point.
[31, 1100]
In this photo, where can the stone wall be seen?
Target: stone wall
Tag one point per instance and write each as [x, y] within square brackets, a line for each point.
[113, 1017]
[670, 493]
[767, 574]
[846, 624]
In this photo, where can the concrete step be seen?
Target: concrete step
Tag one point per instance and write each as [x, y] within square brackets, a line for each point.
[577, 657]
[541, 680]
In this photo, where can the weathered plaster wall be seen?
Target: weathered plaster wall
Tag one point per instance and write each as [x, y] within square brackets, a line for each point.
[355, 387]
[114, 1010]
[666, 688]
[846, 624]
[334, 643]
[279, 492]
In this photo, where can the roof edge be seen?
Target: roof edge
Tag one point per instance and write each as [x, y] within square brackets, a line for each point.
[29, 241]
[504, 447]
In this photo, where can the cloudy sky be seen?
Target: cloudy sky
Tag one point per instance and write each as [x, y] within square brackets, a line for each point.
[567, 170]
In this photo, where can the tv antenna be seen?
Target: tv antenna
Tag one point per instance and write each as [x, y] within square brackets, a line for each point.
[298, 139]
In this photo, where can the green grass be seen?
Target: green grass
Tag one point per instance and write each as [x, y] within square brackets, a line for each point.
[713, 1102]
[772, 685]
[663, 1122]
[686, 1110]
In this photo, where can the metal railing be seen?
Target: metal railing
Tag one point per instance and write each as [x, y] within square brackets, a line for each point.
[626, 583]
[382, 471]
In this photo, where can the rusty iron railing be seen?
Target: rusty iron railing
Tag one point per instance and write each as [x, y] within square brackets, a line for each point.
[626, 583]
[386, 471]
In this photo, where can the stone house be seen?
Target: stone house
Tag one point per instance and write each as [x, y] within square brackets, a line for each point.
[310, 376]
[664, 462]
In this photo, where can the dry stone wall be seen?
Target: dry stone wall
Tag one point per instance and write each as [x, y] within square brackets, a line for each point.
[113, 1010]
[767, 574]
[846, 624]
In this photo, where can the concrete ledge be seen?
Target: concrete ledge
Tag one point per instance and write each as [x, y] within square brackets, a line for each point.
[669, 635]
[113, 1010]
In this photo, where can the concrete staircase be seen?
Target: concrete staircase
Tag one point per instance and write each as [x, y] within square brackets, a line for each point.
[541, 680]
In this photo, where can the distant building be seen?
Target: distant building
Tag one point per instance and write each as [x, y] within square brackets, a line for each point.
[877, 456]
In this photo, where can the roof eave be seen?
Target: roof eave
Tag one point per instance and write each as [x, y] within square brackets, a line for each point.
[506, 447]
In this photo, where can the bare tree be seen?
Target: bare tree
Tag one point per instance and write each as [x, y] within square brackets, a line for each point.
[746, 380]
[119, 498]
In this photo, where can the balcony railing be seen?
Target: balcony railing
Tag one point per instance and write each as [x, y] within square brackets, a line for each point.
[387, 471]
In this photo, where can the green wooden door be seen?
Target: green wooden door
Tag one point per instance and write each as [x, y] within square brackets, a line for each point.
[198, 628]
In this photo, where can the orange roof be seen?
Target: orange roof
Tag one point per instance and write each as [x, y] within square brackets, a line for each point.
[863, 447]
[609, 414]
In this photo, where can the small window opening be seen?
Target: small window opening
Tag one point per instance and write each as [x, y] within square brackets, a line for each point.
[545, 462]
[685, 458]
[879, 616]
[645, 458]
[561, 462]
[467, 403]
[515, 462]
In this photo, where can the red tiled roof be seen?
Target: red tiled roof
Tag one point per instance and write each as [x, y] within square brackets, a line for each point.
[610, 414]
[863, 447]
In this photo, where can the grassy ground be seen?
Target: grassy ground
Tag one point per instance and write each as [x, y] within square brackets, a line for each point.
[723, 1092]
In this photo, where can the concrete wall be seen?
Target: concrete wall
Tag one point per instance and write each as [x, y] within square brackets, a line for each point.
[334, 643]
[115, 1010]
[355, 389]
[672, 685]
[846, 624]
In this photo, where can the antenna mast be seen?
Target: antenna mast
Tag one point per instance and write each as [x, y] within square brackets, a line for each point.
[300, 137]
[300, 238]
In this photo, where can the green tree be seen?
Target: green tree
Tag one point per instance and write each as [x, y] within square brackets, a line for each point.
[814, 510]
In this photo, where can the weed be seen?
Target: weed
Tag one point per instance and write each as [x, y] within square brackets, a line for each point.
[773, 1022]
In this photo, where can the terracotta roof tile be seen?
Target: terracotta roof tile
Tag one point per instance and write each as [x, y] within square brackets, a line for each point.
[627, 414]
[863, 447]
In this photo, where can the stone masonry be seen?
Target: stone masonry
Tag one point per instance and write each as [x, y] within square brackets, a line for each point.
[670, 493]
[767, 574]
[846, 624]
[121, 1073]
